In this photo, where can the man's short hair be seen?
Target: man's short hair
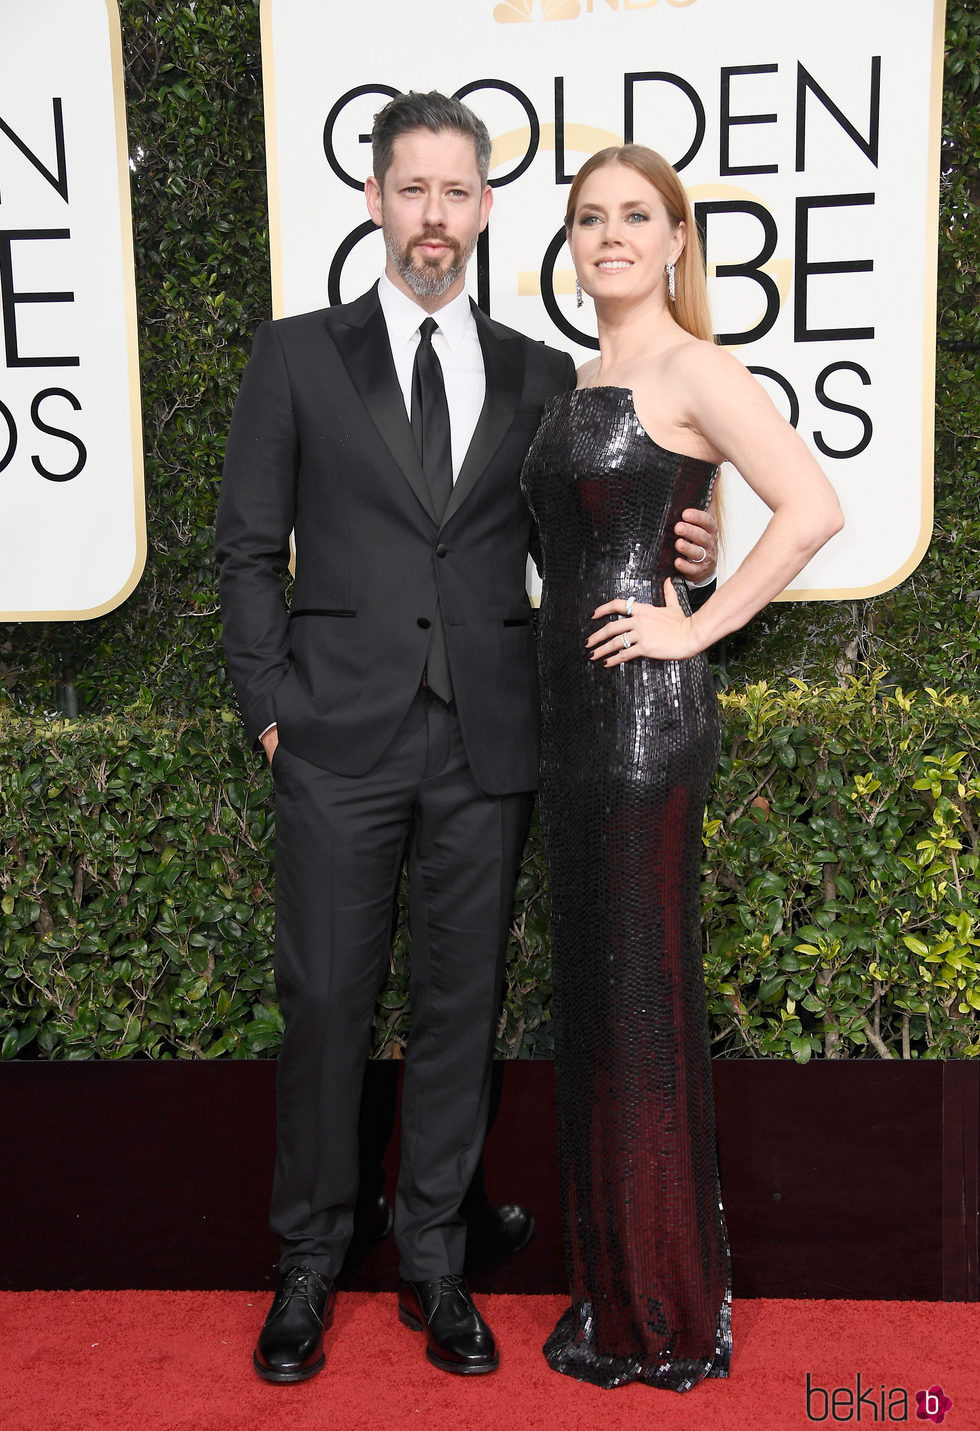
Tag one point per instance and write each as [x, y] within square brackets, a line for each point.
[433, 111]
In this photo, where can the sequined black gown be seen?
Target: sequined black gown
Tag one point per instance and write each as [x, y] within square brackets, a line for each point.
[627, 757]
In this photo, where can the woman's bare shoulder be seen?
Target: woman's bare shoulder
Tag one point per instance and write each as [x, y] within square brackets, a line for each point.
[697, 355]
[707, 373]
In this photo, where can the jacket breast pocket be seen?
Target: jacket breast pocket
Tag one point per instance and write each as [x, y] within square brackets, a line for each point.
[319, 611]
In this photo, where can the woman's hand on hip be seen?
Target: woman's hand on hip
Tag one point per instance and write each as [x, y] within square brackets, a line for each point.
[665, 632]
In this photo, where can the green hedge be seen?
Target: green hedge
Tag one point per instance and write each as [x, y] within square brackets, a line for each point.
[840, 887]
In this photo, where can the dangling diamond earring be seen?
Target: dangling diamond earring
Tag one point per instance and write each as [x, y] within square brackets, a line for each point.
[671, 287]
[578, 294]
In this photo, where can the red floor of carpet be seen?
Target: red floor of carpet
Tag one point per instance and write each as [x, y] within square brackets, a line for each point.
[181, 1361]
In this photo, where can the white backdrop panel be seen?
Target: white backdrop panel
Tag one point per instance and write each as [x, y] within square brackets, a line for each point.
[72, 518]
[808, 140]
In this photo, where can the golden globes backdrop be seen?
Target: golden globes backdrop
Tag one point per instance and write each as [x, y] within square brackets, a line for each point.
[72, 517]
[807, 136]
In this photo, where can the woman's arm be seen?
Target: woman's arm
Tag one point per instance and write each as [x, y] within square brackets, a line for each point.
[726, 407]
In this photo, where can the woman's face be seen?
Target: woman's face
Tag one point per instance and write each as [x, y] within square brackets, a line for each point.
[622, 236]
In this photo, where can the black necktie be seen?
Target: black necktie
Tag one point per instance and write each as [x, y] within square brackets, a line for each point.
[430, 419]
[430, 426]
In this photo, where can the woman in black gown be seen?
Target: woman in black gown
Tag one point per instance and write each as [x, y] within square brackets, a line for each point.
[630, 742]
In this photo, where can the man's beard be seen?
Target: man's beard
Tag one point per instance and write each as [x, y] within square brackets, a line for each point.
[428, 279]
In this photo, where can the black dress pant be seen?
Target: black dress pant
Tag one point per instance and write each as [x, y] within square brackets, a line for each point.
[340, 846]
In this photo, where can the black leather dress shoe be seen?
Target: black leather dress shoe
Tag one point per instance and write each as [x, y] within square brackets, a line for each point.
[290, 1345]
[498, 1232]
[459, 1340]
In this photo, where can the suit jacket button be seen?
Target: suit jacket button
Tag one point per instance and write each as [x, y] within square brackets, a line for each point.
[441, 550]
[424, 622]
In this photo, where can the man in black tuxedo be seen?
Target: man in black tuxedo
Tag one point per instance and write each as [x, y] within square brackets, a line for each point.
[396, 699]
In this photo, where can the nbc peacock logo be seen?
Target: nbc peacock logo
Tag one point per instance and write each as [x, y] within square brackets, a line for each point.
[509, 12]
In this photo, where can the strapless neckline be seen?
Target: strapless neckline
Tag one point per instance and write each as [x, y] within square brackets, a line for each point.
[628, 394]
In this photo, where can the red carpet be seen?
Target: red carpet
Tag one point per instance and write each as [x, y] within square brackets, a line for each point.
[180, 1361]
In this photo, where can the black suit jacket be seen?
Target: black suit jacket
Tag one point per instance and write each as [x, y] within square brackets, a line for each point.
[320, 444]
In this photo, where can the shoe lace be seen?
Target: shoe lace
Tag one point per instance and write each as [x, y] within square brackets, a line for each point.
[452, 1281]
[302, 1282]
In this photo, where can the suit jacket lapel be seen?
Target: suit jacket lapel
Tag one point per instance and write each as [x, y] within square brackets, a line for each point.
[362, 341]
[503, 363]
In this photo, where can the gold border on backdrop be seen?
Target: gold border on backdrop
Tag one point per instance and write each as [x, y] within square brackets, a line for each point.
[929, 297]
[132, 341]
[272, 181]
[271, 155]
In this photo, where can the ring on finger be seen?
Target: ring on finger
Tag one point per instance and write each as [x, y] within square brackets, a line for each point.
[627, 643]
[696, 561]
[629, 605]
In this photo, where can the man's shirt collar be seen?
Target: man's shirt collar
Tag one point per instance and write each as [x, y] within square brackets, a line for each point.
[403, 315]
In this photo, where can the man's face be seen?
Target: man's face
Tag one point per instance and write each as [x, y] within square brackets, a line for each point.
[431, 210]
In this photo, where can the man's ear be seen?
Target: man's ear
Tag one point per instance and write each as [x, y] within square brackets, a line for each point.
[486, 204]
[372, 194]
